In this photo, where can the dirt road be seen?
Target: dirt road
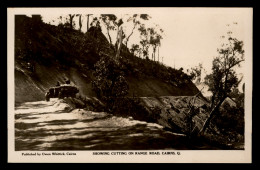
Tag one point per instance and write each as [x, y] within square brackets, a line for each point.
[54, 125]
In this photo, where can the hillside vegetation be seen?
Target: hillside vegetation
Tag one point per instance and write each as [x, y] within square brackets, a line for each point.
[45, 54]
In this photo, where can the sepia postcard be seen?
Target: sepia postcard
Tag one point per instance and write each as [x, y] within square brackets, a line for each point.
[130, 85]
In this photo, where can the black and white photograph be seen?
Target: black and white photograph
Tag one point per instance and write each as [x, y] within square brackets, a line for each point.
[138, 83]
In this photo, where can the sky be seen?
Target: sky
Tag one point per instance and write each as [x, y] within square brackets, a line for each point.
[191, 35]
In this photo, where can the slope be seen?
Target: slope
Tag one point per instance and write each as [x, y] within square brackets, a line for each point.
[45, 54]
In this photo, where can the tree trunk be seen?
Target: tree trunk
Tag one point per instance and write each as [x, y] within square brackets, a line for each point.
[154, 51]
[158, 54]
[88, 22]
[71, 20]
[147, 51]
[110, 41]
[143, 52]
[212, 101]
[211, 115]
[119, 42]
[129, 36]
[80, 23]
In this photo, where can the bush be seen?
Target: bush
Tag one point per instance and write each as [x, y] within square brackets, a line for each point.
[109, 82]
[227, 127]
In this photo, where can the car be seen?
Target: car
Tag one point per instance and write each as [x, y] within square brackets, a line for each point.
[64, 90]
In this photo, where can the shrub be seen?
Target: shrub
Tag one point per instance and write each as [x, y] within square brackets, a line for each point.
[109, 82]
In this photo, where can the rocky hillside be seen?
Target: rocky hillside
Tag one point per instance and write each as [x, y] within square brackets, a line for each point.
[45, 54]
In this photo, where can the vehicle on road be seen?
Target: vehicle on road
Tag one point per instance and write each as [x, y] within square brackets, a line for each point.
[64, 90]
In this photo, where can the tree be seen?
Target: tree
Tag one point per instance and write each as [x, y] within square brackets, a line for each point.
[109, 22]
[223, 78]
[88, 20]
[144, 40]
[71, 20]
[155, 41]
[155, 34]
[95, 22]
[120, 36]
[150, 36]
[119, 40]
[64, 21]
[195, 73]
[136, 22]
[109, 82]
[80, 21]
[135, 49]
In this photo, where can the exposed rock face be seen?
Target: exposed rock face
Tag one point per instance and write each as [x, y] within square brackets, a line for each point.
[175, 112]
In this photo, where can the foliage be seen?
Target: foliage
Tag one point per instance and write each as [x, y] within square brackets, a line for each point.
[144, 41]
[238, 97]
[155, 39]
[195, 72]
[109, 22]
[150, 37]
[135, 49]
[109, 81]
[227, 127]
[135, 18]
[223, 78]
[145, 16]
[94, 22]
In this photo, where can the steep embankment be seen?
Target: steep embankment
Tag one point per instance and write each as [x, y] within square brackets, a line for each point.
[32, 87]
[154, 87]
[45, 54]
